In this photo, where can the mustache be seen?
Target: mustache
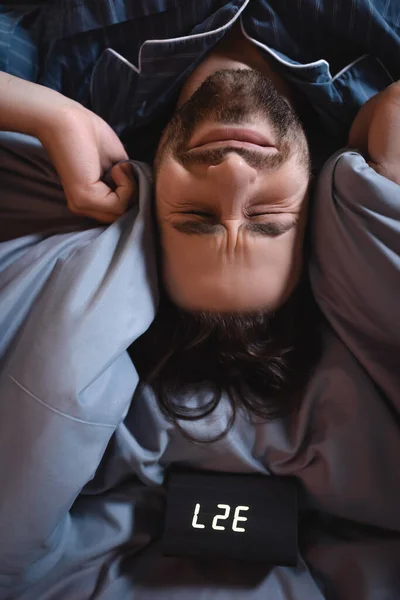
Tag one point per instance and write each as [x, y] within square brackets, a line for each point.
[214, 156]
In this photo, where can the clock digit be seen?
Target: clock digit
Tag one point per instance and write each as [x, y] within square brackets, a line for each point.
[227, 510]
[237, 517]
[195, 524]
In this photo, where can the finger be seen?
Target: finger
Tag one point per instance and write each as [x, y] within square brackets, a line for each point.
[123, 177]
[97, 198]
[116, 153]
[101, 217]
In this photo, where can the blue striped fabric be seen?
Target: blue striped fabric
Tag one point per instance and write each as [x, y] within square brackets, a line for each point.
[18, 44]
[117, 56]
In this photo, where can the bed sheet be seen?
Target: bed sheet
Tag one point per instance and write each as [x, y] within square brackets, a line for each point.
[84, 448]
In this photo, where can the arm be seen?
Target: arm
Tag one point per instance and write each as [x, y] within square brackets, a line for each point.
[355, 267]
[80, 144]
[376, 132]
[24, 106]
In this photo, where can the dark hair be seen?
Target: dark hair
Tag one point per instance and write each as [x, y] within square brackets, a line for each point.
[262, 360]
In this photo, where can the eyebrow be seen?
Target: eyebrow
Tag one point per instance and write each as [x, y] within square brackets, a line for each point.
[271, 229]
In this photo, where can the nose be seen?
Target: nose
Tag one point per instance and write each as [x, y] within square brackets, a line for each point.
[233, 176]
[233, 170]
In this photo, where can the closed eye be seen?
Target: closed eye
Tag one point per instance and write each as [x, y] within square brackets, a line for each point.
[205, 227]
[198, 213]
[271, 229]
[197, 227]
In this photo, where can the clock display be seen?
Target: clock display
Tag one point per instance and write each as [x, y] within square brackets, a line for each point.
[227, 510]
[245, 517]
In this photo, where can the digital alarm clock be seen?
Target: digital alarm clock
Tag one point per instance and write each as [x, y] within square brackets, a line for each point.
[225, 515]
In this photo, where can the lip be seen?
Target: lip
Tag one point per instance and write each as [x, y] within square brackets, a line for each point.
[232, 136]
[234, 144]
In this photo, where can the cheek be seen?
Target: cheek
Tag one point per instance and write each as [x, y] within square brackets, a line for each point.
[183, 267]
[171, 186]
[290, 183]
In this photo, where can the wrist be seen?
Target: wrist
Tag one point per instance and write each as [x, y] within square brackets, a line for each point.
[54, 114]
[31, 108]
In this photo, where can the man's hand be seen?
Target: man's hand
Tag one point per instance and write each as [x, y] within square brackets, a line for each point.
[376, 132]
[83, 148]
[80, 144]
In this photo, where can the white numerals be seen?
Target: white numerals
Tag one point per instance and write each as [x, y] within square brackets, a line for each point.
[195, 524]
[237, 517]
[227, 510]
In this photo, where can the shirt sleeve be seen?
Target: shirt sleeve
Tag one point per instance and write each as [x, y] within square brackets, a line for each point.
[355, 264]
[70, 306]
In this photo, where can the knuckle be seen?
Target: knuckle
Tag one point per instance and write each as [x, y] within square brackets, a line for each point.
[81, 200]
[75, 209]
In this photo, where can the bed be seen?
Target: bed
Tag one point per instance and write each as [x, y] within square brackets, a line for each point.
[86, 454]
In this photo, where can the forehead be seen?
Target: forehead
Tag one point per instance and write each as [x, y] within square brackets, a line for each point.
[200, 273]
[228, 289]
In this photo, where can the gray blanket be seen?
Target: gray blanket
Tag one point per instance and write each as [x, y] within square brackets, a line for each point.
[84, 447]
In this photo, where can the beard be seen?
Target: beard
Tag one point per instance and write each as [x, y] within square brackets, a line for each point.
[234, 97]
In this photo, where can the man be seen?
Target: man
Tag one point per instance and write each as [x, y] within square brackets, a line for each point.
[67, 371]
[232, 177]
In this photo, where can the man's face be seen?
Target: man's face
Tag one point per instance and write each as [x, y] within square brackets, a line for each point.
[232, 175]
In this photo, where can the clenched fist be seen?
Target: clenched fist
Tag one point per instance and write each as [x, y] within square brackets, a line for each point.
[80, 144]
[83, 148]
